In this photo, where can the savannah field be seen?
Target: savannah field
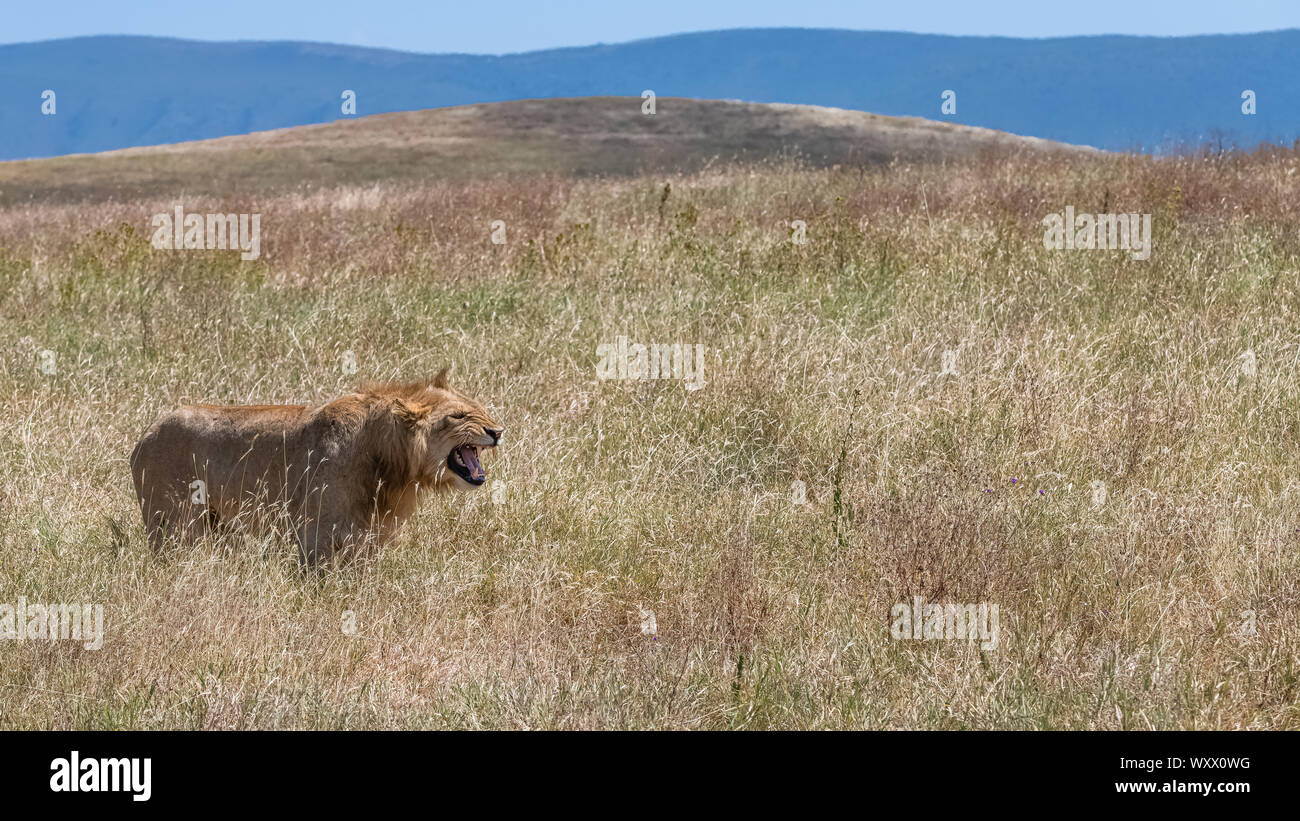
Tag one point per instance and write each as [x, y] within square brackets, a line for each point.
[1109, 455]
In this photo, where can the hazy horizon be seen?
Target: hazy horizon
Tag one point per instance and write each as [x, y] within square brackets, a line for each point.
[517, 27]
[597, 44]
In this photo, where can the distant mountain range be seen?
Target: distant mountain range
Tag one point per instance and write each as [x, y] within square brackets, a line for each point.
[1112, 92]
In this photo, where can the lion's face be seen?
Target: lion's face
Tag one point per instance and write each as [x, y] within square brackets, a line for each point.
[460, 430]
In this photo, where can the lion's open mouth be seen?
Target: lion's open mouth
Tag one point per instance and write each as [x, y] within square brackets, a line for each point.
[463, 461]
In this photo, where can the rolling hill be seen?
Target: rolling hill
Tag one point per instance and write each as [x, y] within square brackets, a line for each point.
[584, 136]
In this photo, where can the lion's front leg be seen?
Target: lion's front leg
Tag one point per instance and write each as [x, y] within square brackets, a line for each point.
[328, 529]
[321, 538]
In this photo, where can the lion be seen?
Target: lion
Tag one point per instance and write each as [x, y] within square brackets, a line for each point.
[343, 476]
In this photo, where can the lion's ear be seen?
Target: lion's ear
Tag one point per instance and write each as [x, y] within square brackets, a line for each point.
[407, 411]
[440, 381]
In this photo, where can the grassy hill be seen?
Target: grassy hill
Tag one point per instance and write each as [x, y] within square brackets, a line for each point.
[584, 136]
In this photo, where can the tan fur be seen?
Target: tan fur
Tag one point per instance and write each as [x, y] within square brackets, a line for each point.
[341, 476]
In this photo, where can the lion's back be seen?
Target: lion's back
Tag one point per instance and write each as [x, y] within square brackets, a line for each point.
[216, 442]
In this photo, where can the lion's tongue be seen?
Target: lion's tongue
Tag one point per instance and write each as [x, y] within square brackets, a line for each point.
[470, 458]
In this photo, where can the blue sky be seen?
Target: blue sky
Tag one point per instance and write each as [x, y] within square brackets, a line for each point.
[503, 26]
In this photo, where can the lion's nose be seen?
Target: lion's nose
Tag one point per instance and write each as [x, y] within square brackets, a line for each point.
[495, 433]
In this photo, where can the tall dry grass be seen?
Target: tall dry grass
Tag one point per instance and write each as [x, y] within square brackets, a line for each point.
[824, 361]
